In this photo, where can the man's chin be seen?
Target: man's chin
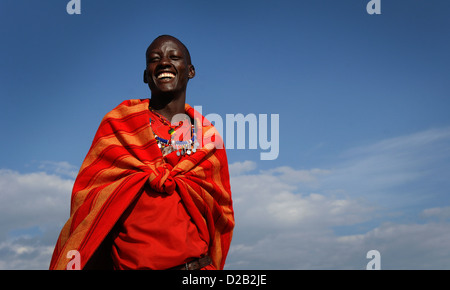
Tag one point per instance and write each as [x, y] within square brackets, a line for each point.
[164, 93]
[162, 88]
[166, 86]
[166, 89]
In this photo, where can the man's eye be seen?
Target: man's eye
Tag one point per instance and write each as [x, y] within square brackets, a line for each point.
[154, 59]
[175, 57]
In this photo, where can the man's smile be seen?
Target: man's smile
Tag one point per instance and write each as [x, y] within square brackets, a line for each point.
[165, 75]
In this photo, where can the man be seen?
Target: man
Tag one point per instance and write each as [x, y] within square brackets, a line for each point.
[143, 198]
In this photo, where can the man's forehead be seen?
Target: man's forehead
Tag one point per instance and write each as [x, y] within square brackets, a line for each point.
[161, 41]
[172, 42]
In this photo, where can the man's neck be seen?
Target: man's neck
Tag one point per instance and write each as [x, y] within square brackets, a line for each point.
[168, 107]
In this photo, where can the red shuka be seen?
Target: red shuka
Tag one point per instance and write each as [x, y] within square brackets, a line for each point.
[124, 163]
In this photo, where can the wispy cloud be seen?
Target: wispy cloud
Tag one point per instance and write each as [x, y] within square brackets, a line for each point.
[405, 170]
[61, 168]
[439, 213]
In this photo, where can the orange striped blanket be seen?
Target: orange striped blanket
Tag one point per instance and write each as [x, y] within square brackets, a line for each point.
[124, 157]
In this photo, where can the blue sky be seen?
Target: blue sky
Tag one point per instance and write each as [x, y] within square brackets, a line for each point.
[362, 100]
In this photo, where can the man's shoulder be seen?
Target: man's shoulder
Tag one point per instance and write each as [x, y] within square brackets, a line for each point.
[133, 102]
[128, 107]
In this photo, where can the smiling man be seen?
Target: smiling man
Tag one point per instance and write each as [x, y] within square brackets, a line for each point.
[168, 71]
[143, 198]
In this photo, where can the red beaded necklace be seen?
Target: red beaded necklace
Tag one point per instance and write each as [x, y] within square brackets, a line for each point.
[168, 146]
[166, 122]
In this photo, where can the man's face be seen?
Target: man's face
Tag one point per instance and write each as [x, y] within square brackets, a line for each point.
[168, 70]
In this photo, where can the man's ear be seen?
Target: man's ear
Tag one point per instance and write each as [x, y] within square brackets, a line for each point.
[191, 71]
[145, 77]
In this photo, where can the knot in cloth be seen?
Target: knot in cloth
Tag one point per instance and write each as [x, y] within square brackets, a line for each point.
[161, 179]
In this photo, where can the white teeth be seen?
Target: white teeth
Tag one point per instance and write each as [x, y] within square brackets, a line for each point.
[166, 75]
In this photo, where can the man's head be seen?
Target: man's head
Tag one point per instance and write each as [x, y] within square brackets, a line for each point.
[169, 66]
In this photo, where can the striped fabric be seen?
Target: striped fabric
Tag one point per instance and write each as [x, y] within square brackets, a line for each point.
[124, 157]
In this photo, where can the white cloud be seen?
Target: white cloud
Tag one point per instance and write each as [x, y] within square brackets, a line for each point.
[278, 227]
[277, 198]
[402, 246]
[290, 219]
[33, 207]
[25, 253]
[238, 168]
[407, 246]
[32, 199]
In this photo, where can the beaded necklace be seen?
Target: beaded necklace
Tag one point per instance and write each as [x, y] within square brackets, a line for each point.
[168, 146]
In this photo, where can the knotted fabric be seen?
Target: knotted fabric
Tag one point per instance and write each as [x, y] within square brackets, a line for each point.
[162, 180]
[123, 159]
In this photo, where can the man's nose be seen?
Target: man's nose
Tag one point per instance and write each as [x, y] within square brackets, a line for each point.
[165, 61]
